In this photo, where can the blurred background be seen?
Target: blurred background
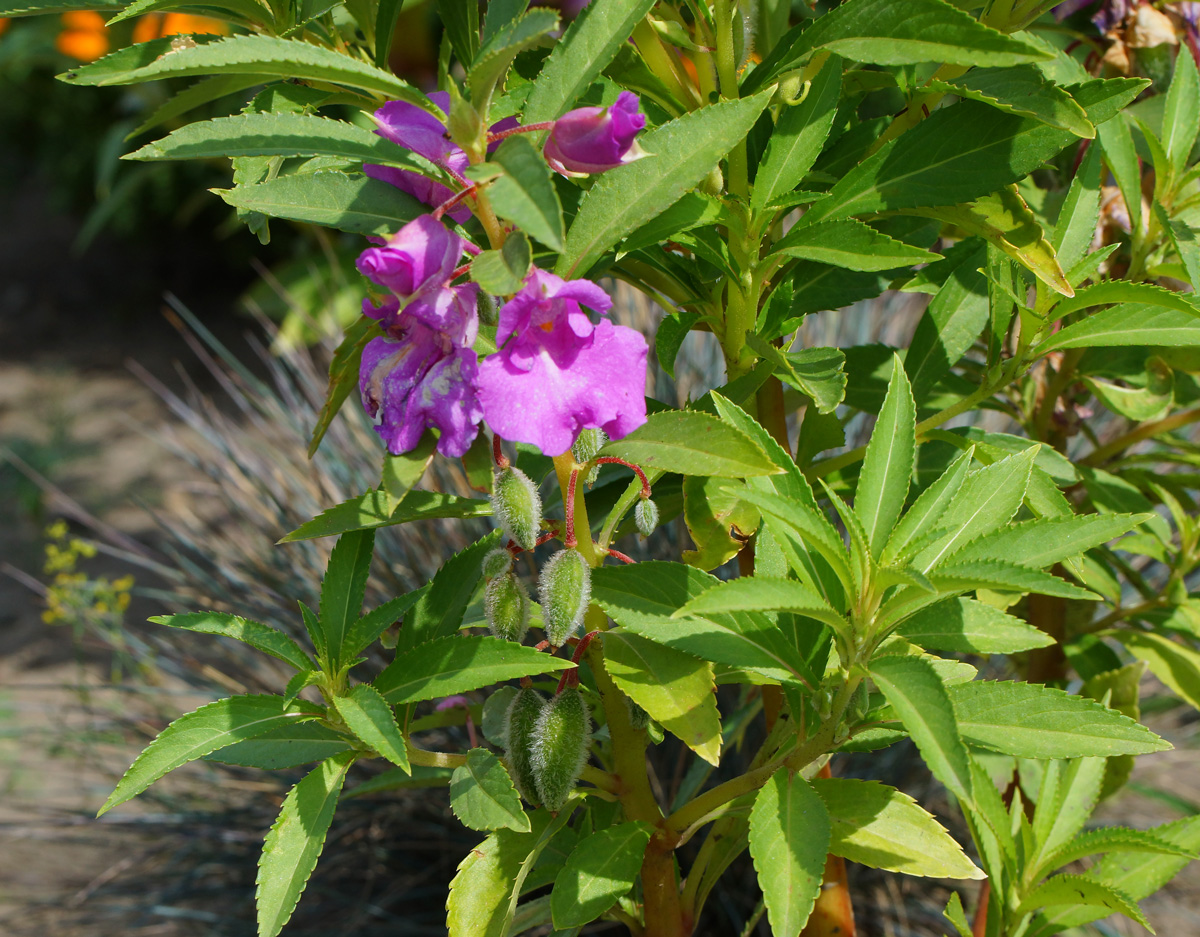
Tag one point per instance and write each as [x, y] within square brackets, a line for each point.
[161, 368]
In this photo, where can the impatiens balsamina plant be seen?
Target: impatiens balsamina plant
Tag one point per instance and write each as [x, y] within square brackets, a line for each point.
[748, 167]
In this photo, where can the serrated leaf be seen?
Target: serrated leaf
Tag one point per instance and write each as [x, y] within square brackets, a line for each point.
[496, 55]
[1076, 225]
[503, 272]
[952, 576]
[194, 96]
[343, 376]
[263, 637]
[402, 472]
[1122, 291]
[482, 795]
[789, 838]
[202, 732]
[1082, 889]
[966, 626]
[1128, 324]
[877, 826]
[297, 743]
[668, 339]
[479, 904]
[1034, 721]
[456, 664]
[1183, 239]
[815, 372]
[887, 467]
[1022, 89]
[295, 842]
[682, 152]
[692, 443]
[719, 522]
[927, 510]
[1042, 543]
[676, 689]
[759, 593]
[342, 591]
[372, 510]
[923, 705]
[601, 869]
[348, 202]
[439, 612]
[368, 716]
[586, 48]
[1113, 839]
[524, 192]
[36, 8]
[851, 244]
[1173, 663]
[1181, 114]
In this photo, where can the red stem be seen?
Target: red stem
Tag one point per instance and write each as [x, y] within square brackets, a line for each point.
[612, 459]
[498, 455]
[571, 677]
[571, 542]
[618, 555]
[452, 201]
[528, 128]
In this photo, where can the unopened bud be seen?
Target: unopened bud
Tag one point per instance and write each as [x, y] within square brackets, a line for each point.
[496, 563]
[560, 747]
[587, 444]
[506, 607]
[645, 515]
[518, 507]
[523, 716]
[564, 589]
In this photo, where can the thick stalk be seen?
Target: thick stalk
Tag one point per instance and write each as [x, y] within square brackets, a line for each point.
[726, 20]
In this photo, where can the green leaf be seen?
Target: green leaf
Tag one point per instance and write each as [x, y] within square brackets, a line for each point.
[1113, 839]
[668, 339]
[1183, 239]
[798, 137]
[373, 509]
[501, 14]
[263, 637]
[691, 443]
[1034, 721]
[601, 869]
[192, 97]
[956, 916]
[1003, 219]
[966, 626]
[461, 22]
[479, 904]
[368, 716]
[877, 826]
[927, 510]
[343, 376]
[202, 732]
[887, 467]
[342, 591]
[1127, 324]
[387, 17]
[923, 704]
[693, 210]
[1042, 543]
[402, 472]
[676, 689]
[264, 56]
[457, 664]
[1173, 663]
[503, 272]
[278, 134]
[1122, 291]
[1181, 113]
[589, 44]
[496, 55]
[789, 839]
[954, 576]
[295, 841]
[38, 7]
[815, 372]
[524, 192]
[851, 244]
[682, 152]
[1021, 89]
[297, 743]
[718, 521]
[1076, 225]
[482, 795]
[1120, 155]
[1082, 889]
[351, 203]
[760, 593]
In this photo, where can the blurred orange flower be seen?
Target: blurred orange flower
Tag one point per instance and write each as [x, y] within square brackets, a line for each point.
[157, 25]
[4, 21]
[84, 35]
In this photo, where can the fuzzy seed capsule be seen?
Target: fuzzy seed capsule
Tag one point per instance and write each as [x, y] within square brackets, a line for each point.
[523, 715]
[564, 589]
[517, 507]
[587, 444]
[496, 563]
[645, 515]
[506, 607]
[560, 747]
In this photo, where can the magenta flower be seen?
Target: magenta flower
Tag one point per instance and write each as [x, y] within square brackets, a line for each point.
[416, 259]
[557, 373]
[418, 130]
[593, 139]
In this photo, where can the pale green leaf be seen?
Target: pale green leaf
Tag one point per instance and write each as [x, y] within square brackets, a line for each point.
[601, 869]
[368, 716]
[851, 244]
[479, 903]
[1128, 324]
[1181, 113]
[263, 637]
[692, 443]
[1175, 664]
[966, 626]
[482, 795]
[887, 467]
[1082, 889]
[372, 510]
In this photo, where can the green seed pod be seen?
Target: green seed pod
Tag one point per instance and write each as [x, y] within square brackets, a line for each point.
[486, 309]
[518, 507]
[638, 717]
[523, 716]
[587, 444]
[564, 588]
[496, 563]
[506, 607]
[560, 747]
[645, 515]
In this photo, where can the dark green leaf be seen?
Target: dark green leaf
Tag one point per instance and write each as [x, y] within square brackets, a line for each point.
[297, 743]
[368, 716]
[692, 443]
[263, 637]
[1021, 89]
[342, 591]
[343, 376]
[602, 868]
[373, 509]
[851, 244]
[815, 372]
[1127, 324]
[494, 58]
[524, 192]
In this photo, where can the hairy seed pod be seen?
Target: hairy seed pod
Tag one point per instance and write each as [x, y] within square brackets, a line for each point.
[486, 308]
[587, 444]
[564, 589]
[645, 515]
[518, 507]
[560, 747]
[496, 563]
[638, 717]
[506, 607]
[523, 716]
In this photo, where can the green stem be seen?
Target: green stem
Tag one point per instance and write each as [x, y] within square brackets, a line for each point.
[725, 21]
[1140, 434]
[646, 40]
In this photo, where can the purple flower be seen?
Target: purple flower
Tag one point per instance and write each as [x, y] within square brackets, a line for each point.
[557, 373]
[416, 259]
[594, 139]
[415, 129]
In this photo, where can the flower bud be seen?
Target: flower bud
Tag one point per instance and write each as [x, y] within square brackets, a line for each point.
[518, 507]
[645, 515]
[496, 563]
[587, 444]
[417, 258]
[560, 747]
[594, 139]
[564, 589]
[523, 716]
[506, 607]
